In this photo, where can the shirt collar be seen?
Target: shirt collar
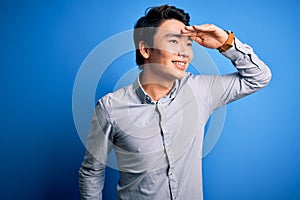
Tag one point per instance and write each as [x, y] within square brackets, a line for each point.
[146, 99]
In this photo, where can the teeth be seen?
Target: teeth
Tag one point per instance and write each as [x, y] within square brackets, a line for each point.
[179, 64]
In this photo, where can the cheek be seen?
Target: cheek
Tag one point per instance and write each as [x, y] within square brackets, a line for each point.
[165, 54]
[165, 49]
[191, 55]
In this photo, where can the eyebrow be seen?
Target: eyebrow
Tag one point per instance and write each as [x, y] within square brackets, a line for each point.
[176, 35]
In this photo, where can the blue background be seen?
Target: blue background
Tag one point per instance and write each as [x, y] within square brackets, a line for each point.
[42, 47]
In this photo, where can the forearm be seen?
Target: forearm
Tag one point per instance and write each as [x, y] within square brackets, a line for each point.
[91, 181]
[254, 73]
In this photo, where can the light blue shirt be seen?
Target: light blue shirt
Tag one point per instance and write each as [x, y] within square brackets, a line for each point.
[158, 145]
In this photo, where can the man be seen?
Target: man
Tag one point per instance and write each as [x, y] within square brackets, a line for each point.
[156, 125]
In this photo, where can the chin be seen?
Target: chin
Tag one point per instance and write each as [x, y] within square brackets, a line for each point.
[179, 74]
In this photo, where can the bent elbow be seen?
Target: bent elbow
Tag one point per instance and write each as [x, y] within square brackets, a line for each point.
[267, 77]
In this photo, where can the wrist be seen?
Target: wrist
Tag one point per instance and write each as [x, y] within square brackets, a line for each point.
[228, 43]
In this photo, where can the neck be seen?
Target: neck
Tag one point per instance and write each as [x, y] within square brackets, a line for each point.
[155, 87]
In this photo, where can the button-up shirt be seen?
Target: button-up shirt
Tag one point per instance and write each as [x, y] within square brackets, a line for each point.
[158, 144]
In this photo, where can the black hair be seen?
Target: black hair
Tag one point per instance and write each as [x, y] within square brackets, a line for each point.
[145, 28]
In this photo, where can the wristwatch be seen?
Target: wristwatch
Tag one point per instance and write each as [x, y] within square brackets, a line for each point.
[228, 43]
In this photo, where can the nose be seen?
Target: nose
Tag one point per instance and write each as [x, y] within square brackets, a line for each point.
[183, 54]
[184, 51]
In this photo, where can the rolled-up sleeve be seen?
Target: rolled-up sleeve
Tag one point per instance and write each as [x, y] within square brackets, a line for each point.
[92, 170]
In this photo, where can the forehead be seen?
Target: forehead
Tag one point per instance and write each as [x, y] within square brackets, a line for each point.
[171, 26]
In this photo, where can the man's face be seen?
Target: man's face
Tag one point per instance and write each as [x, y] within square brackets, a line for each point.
[171, 51]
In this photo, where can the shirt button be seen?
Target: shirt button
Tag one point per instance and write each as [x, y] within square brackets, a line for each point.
[148, 99]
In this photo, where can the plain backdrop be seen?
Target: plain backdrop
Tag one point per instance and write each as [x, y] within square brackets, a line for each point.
[43, 44]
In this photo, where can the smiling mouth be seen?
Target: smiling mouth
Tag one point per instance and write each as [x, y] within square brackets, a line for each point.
[180, 65]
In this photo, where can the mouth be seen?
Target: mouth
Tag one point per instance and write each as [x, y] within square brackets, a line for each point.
[179, 64]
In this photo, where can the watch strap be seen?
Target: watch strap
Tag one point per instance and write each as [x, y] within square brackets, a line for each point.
[228, 42]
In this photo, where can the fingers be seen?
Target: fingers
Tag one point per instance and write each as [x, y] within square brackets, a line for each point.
[199, 28]
[199, 40]
[202, 27]
[188, 33]
[192, 33]
[207, 35]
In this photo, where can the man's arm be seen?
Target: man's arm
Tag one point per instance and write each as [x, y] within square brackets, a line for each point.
[252, 74]
[92, 170]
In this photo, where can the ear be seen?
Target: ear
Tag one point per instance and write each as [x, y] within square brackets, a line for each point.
[144, 49]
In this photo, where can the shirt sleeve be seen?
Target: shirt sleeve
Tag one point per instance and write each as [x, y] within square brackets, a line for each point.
[92, 170]
[253, 74]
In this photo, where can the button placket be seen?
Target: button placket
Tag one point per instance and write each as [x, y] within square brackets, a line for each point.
[167, 145]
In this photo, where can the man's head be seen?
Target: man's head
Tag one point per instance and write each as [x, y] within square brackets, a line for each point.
[146, 27]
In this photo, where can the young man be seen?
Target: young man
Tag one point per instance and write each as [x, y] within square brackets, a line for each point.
[156, 125]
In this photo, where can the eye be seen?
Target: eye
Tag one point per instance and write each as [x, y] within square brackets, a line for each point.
[189, 44]
[173, 41]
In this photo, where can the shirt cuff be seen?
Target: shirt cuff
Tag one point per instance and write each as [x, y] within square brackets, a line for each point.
[237, 49]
